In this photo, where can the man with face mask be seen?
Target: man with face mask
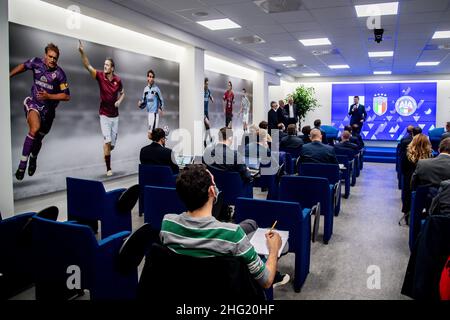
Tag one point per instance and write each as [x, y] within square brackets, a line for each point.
[156, 153]
[111, 96]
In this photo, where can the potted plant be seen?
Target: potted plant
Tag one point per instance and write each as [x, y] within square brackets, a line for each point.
[305, 100]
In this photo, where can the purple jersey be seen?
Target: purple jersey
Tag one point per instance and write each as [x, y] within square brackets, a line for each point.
[52, 81]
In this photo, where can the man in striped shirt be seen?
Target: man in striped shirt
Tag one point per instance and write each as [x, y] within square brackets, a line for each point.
[197, 233]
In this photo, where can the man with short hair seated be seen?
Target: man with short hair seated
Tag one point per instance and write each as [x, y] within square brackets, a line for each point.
[292, 141]
[197, 233]
[434, 170]
[345, 143]
[446, 134]
[317, 125]
[221, 156]
[156, 153]
[306, 131]
[356, 133]
[316, 151]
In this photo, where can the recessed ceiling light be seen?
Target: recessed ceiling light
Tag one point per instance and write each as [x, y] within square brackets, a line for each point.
[427, 63]
[290, 65]
[441, 34]
[378, 54]
[219, 24]
[315, 42]
[382, 72]
[377, 9]
[339, 66]
[311, 74]
[282, 59]
[200, 14]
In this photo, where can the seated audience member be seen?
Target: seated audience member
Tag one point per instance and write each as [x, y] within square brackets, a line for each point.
[316, 151]
[416, 131]
[446, 134]
[281, 132]
[292, 141]
[247, 137]
[353, 139]
[317, 125]
[405, 141]
[306, 130]
[265, 125]
[221, 156]
[156, 153]
[259, 149]
[434, 170]
[419, 148]
[197, 233]
[356, 133]
[345, 143]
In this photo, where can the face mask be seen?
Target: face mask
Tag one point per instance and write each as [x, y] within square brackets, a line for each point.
[216, 192]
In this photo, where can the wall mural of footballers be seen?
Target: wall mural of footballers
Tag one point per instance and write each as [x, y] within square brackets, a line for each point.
[228, 101]
[59, 79]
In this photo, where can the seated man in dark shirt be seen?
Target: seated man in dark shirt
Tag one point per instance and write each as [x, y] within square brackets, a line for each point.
[306, 130]
[357, 134]
[317, 125]
[316, 151]
[156, 153]
[345, 143]
[221, 156]
[292, 141]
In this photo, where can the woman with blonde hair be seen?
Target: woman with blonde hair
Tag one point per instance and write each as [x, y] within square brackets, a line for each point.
[418, 149]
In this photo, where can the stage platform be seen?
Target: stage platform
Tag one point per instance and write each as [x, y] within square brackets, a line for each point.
[379, 154]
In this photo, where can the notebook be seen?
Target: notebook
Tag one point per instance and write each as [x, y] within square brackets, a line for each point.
[259, 241]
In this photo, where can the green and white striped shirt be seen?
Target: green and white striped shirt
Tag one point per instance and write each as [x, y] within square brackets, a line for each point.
[207, 237]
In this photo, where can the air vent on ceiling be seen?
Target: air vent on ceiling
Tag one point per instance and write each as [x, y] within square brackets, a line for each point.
[247, 40]
[276, 6]
[325, 52]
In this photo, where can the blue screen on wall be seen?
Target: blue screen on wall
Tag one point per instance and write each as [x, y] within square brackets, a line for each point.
[390, 107]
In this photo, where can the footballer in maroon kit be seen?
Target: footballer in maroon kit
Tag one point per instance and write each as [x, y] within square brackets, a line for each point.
[111, 96]
[49, 88]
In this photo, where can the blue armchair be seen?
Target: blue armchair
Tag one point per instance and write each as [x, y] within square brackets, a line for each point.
[15, 256]
[231, 185]
[64, 251]
[331, 172]
[435, 137]
[152, 175]
[88, 202]
[159, 201]
[308, 191]
[290, 217]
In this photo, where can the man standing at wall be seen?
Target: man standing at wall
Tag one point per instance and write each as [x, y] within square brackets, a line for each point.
[49, 87]
[358, 113]
[111, 96]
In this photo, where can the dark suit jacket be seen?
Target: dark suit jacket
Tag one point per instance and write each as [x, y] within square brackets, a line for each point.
[317, 152]
[347, 145]
[445, 135]
[357, 115]
[281, 116]
[156, 154]
[224, 158]
[289, 120]
[305, 139]
[291, 142]
[431, 171]
[272, 120]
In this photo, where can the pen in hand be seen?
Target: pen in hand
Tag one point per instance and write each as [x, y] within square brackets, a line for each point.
[273, 226]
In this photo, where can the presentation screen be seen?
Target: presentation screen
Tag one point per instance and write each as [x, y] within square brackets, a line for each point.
[390, 107]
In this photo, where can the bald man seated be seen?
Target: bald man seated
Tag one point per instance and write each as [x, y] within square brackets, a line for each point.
[316, 151]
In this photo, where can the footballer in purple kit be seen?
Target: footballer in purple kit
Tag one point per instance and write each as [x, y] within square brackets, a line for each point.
[111, 96]
[49, 88]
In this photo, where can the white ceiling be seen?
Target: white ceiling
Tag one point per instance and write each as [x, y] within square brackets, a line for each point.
[406, 34]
